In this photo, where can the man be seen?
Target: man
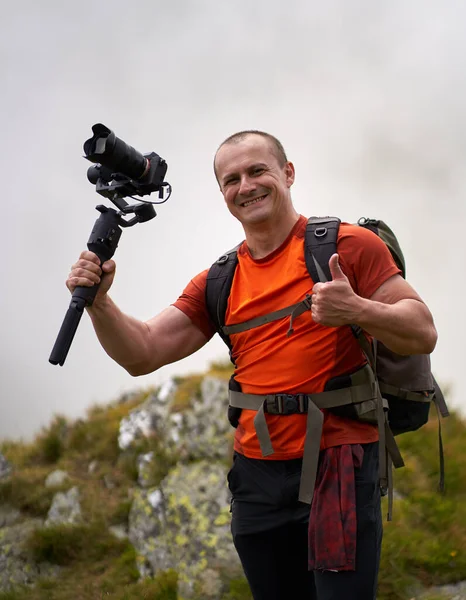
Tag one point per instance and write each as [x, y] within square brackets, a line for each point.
[271, 528]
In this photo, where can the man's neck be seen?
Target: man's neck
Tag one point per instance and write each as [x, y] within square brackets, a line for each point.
[266, 237]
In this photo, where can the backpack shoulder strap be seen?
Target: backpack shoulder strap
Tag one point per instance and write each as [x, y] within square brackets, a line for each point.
[218, 285]
[320, 242]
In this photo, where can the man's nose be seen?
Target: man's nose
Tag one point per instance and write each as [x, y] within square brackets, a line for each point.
[247, 186]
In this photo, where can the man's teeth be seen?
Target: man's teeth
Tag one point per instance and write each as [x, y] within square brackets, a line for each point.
[253, 201]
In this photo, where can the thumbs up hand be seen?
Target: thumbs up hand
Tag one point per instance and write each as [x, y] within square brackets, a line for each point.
[334, 303]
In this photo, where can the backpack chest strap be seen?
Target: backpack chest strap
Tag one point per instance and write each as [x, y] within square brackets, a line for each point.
[285, 404]
[292, 311]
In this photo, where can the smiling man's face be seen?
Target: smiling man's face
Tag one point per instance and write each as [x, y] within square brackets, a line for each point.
[255, 186]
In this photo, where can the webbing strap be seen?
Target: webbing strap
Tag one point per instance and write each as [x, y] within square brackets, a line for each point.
[390, 488]
[392, 447]
[344, 396]
[389, 453]
[392, 390]
[365, 346]
[383, 467]
[263, 435]
[294, 310]
[441, 483]
[331, 399]
[314, 424]
[440, 400]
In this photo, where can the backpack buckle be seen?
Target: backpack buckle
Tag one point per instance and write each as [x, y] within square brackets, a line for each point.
[286, 404]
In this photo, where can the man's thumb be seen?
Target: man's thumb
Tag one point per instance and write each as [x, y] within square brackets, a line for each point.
[335, 270]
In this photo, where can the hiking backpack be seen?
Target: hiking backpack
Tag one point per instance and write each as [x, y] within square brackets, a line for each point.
[392, 390]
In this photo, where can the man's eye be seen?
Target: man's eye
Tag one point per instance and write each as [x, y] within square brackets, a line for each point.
[258, 171]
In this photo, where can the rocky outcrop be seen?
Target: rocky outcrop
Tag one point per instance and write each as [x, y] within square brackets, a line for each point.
[201, 431]
[181, 522]
[184, 524]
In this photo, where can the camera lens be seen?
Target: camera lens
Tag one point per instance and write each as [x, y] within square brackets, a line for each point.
[111, 152]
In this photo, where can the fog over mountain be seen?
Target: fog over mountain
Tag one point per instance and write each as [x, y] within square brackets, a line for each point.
[367, 98]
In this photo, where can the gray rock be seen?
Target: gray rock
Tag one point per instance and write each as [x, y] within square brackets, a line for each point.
[456, 591]
[166, 392]
[204, 431]
[184, 524]
[56, 478]
[93, 466]
[145, 420]
[210, 584]
[119, 531]
[16, 566]
[8, 515]
[146, 470]
[65, 509]
[5, 467]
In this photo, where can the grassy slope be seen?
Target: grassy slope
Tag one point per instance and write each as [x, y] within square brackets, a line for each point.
[425, 543]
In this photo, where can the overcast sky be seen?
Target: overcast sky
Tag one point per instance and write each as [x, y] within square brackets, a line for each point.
[367, 97]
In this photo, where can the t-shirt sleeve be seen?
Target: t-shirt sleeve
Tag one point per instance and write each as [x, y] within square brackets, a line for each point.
[192, 303]
[365, 259]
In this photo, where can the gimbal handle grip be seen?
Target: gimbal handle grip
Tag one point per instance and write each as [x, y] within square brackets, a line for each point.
[103, 242]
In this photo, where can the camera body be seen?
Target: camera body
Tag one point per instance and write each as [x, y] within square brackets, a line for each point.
[119, 169]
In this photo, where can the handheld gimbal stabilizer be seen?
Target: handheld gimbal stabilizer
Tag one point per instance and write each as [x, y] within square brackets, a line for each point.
[120, 172]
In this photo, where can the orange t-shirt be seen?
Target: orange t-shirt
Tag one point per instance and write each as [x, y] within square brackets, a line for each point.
[267, 361]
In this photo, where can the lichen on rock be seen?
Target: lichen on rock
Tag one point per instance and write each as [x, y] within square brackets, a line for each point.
[188, 529]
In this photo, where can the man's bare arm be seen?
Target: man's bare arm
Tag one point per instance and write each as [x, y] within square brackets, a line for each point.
[140, 347]
[143, 347]
[395, 314]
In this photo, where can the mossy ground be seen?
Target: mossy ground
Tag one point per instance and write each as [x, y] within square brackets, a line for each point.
[424, 545]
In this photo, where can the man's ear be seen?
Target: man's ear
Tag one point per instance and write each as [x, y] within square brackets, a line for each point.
[290, 173]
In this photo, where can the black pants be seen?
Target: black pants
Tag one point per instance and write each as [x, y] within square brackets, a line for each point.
[270, 529]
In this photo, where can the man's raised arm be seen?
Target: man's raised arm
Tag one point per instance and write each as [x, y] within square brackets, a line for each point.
[139, 347]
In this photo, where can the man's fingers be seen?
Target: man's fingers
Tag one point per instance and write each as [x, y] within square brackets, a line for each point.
[335, 269]
[108, 266]
[86, 265]
[87, 272]
[74, 281]
[89, 256]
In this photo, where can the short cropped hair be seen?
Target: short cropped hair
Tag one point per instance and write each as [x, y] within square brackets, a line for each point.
[277, 146]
